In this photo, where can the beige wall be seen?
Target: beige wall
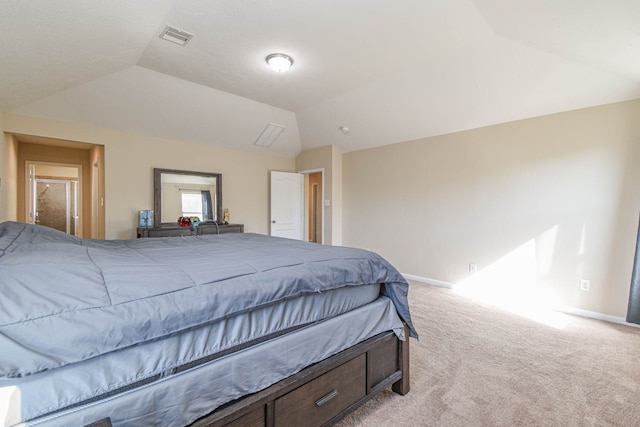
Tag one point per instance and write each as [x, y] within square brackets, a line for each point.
[8, 175]
[129, 161]
[96, 156]
[538, 204]
[328, 158]
[337, 203]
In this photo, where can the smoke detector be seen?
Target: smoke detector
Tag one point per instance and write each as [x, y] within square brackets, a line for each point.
[176, 35]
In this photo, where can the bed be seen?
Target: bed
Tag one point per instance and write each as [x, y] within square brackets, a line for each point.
[235, 329]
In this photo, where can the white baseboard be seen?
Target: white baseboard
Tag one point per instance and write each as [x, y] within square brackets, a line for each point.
[596, 315]
[428, 281]
[563, 309]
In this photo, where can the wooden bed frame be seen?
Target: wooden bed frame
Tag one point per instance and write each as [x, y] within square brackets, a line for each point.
[325, 392]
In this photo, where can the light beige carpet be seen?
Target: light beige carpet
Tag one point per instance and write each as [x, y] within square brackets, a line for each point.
[477, 365]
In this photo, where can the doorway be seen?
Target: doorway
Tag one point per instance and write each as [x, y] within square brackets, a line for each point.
[314, 210]
[51, 158]
[314, 205]
[296, 208]
[54, 196]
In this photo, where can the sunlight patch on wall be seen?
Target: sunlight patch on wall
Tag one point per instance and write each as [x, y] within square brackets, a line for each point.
[583, 238]
[512, 283]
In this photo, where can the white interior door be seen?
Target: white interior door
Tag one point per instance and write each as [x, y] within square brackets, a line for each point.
[287, 192]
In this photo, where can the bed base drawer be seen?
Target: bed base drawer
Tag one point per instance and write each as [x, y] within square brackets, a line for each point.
[254, 418]
[320, 400]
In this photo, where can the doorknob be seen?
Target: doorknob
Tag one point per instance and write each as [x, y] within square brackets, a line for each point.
[273, 221]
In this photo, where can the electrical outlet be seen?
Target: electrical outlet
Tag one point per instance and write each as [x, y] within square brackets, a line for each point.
[585, 285]
[473, 268]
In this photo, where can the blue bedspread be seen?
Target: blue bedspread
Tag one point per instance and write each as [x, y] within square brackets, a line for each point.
[64, 299]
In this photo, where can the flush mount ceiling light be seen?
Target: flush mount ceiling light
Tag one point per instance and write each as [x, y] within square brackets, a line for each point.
[279, 62]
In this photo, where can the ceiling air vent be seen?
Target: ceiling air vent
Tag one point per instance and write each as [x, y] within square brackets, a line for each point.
[175, 35]
[269, 134]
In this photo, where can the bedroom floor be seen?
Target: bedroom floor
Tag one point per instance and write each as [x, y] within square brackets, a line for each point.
[477, 365]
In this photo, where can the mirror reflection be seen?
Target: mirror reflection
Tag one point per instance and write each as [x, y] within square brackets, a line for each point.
[186, 193]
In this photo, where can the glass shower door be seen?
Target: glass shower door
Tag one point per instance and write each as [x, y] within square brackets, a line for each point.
[53, 201]
[56, 204]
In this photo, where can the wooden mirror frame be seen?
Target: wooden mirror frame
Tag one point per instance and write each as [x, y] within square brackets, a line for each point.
[157, 194]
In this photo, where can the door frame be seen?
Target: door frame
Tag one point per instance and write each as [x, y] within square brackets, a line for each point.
[307, 172]
[30, 193]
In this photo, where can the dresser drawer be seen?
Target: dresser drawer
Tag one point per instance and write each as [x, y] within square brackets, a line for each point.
[318, 401]
[228, 228]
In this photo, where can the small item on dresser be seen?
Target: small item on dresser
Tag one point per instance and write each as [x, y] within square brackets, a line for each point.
[145, 218]
[225, 218]
[184, 221]
[195, 222]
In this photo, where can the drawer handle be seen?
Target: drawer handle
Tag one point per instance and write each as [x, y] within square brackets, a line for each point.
[326, 398]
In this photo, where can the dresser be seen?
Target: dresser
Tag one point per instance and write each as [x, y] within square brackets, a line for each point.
[177, 231]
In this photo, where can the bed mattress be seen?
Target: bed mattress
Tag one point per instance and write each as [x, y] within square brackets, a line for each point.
[118, 371]
[64, 300]
[182, 394]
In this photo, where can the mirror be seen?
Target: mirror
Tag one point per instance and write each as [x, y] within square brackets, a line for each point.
[186, 193]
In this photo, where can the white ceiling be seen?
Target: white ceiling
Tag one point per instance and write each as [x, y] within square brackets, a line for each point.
[391, 71]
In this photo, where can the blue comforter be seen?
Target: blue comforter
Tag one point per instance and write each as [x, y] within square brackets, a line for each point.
[65, 299]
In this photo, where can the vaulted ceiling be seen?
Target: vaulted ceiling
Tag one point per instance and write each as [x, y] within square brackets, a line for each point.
[390, 71]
